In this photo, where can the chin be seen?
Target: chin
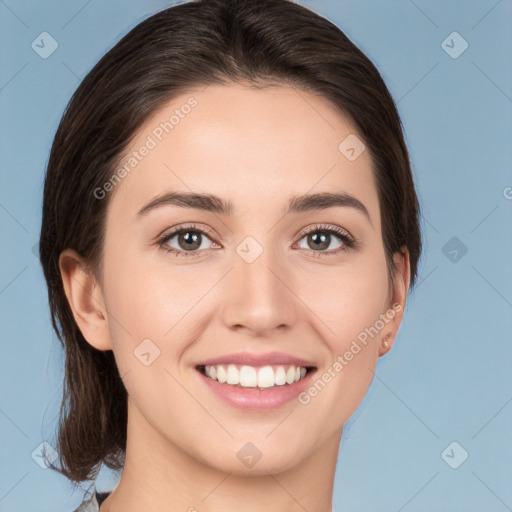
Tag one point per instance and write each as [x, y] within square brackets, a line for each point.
[270, 464]
[257, 457]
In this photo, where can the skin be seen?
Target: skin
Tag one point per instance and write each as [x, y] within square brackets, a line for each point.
[256, 148]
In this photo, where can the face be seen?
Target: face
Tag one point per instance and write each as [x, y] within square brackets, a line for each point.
[242, 278]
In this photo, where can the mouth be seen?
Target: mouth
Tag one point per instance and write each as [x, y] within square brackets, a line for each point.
[266, 377]
[256, 382]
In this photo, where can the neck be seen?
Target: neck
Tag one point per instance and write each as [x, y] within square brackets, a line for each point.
[158, 475]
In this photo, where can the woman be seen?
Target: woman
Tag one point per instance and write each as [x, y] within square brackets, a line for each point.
[221, 374]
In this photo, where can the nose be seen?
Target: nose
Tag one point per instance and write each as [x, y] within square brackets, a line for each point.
[259, 296]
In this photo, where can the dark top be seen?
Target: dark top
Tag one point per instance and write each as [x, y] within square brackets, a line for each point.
[93, 503]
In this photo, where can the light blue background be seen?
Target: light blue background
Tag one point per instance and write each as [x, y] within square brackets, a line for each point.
[448, 377]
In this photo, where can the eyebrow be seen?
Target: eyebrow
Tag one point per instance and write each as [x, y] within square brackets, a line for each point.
[215, 204]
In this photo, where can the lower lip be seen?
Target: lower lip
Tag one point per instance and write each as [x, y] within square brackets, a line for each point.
[256, 399]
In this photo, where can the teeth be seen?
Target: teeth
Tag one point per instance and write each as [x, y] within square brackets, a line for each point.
[251, 377]
[221, 373]
[233, 375]
[248, 376]
[266, 378]
[280, 376]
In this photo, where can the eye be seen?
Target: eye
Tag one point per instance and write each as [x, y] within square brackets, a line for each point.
[190, 241]
[318, 238]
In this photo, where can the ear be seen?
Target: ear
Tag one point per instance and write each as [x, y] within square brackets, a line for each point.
[85, 299]
[397, 299]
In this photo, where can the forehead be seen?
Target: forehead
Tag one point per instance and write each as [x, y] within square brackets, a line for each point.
[244, 143]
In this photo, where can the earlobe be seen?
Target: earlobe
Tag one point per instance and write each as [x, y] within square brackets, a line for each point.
[398, 297]
[85, 299]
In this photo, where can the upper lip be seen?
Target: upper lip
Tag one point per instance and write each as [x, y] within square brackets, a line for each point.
[246, 358]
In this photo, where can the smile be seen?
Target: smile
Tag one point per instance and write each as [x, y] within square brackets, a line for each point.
[256, 382]
[264, 377]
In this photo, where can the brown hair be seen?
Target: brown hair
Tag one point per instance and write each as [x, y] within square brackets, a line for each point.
[202, 42]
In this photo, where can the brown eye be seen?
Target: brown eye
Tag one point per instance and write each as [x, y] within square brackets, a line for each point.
[189, 240]
[186, 241]
[319, 239]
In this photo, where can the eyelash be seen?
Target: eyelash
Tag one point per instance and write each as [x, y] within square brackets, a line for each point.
[346, 239]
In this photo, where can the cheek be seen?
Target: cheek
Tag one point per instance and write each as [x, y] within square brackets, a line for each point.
[148, 324]
[352, 299]
[351, 308]
[137, 299]
[352, 312]
[148, 302]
